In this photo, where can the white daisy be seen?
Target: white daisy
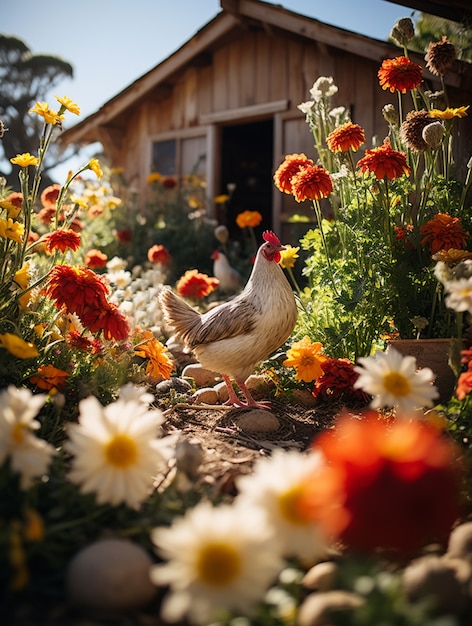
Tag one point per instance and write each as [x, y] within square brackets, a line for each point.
[276, 485]
[219, 559]
[116, 450]
[394, 381]
[459, 294]
[29, 455]
[136, 393]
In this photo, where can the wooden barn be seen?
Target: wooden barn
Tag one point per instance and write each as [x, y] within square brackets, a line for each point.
[224, 105]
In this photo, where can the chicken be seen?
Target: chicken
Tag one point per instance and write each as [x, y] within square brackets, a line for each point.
[230, 279]
[235, 336]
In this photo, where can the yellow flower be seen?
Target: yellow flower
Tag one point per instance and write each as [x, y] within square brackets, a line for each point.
[306, 358]
[221, 199]
[159, 365]
[25, 160]
[11, 230]
[68, 105]
[22, 278]
[42, 109]
[449, 113]
[154, 177]
[288, 256]
[18, 347]
[33, 526]
[11, 209]
[94, 165]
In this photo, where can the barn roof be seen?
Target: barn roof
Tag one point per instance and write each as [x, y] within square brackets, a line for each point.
[157, 82]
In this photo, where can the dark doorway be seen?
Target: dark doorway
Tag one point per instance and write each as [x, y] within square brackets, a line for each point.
[247, 162]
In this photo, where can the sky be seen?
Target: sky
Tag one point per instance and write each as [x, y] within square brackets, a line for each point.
[111, 44]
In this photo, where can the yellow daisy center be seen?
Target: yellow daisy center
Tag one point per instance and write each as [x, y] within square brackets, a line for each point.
[218, 564]
[121, 451]
[289, 505]
[18, 433]
[396, 384]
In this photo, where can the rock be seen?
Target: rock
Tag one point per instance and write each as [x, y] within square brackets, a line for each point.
[110, 575]
[222, 391]
[257, 382]
[201, 376]
[257, 421]
[321, 576]
[177, 384]
[316, 608]
[304, 397]
[206, 395]
[460, 542]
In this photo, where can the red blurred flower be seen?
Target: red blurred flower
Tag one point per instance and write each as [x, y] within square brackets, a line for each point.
[124, 235]
[159, 254]
[400, 74]
[79, 341]
[292, 164]
[444, 232]
[384, 162]
[15, 198]
[169, 182]
[50, 378]
[47, 214]
[346, 137]
[95, 258]
[195, 285]
[76, 289]
[50, 195]
[63, 239]
[464, 383]
[337, 381]
[108, 319]
[392, 486]
[311, 183]
[77, 225]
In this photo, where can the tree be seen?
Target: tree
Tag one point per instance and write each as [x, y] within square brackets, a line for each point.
[431, 28]
[25, 78]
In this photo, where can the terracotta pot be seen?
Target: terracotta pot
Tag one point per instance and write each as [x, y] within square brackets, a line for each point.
[435, 354]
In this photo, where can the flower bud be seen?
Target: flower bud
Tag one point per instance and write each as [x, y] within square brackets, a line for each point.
[221, 233]
[433, 134]
[403, 31]
[390, 114]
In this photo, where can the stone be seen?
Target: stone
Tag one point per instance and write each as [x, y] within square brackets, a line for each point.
[110, 575]
[321, 576]
[222, 391]
[177, 384]
[257, 421]
[205, 395]
[201, 376]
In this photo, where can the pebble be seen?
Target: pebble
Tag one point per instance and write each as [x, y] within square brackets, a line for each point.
[257, 421]
[175, 383]
[205, 395]
[222, 391]
[110, 575]
[201, 376]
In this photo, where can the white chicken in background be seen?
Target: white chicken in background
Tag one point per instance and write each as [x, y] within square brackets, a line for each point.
[234, 337]
[230, 279]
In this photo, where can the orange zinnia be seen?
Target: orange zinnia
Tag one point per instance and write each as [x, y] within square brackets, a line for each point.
[384, 162]
[250, 219]
[400, 74]
[95, 259]
[346, 137]
[160, 365]
[63, 239]
[159, 254]
[50, 195]
[444, 232]
[292, 164]
[195, 285]
[49, 378]
[311, 183]
[386, 485]
[76, 289]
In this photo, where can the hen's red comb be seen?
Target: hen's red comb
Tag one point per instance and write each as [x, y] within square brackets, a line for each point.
[271, 238]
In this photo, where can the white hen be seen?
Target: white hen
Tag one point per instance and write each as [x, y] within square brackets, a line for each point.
[230, 279]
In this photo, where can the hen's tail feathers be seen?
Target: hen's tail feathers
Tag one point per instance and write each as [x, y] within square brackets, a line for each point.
[178, 314]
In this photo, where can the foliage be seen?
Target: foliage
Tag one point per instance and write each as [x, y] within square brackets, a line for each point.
[432, 28]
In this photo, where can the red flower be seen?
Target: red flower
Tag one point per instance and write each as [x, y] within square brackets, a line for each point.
[337, 381]
[400, 74]
[108, 319]
[292, 164]
[62, 240]
[384, 162]
[311, 183]
[393, 486]
[124, 235]
[195, 285]
[50, 195]
[464, 383]
[95, 259]
[159, 254]
[76, 289]
[47, 214]
[15, 198]
[444, 232]
[169, 182]
[346, 137]
[77, 340]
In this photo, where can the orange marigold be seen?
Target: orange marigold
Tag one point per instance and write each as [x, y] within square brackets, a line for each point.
[159, 254]
[250, 219]
[160, 365]
[95, 258]
[15, 198]
[311, 183]
[307, 359]
[386, 485]
[444, 232]
[63, 239]
[50, 378]
[346, 137]
[292, 164]
[384, 162]
[400, 74]
[50, 195]
[195, 285]
[76, 288]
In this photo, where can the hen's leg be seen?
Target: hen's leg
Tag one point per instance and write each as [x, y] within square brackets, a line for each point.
[249, 398]
[232, 397]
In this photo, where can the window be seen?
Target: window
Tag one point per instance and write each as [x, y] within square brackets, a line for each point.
[164, 157]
